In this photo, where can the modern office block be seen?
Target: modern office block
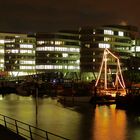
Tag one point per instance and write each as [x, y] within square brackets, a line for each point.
[17, 54]
[58, 54]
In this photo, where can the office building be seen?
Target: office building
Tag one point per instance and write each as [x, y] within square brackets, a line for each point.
[17, 55]
[58, 54]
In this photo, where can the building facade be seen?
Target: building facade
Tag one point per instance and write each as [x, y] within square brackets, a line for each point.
[58, 54]
[68, 54]
[121, 40]
[17, 55]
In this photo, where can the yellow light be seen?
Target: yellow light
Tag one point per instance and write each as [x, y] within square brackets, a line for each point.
[119, 72]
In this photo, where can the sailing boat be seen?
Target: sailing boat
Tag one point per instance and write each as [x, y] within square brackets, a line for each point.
[103, 84]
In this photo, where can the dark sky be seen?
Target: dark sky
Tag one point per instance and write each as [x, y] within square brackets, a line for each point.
[53, 15]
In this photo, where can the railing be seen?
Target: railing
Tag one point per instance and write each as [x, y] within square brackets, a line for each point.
[27, 131]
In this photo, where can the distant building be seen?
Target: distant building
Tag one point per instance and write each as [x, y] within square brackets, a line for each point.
[17, 55]
[68, 54]
[58, 54]
[119, 39]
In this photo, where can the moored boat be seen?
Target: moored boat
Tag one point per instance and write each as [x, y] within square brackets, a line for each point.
[85, 99]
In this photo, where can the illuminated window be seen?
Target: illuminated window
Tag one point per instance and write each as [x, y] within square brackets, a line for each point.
[45, 49]
[2, 60]
[61, 49]
[26, 46]
[77, 61]
[58, 42]
[14, 51]
[1, 51]
[9, 40]
[26, 51]
[64, 54]
[1, 41]
[27, 67]
[107, 39]
[120, 33]
[104, 45]
[87, 45]
[52, 42]
[137, 48]
[27, 62]
[58, 67]
[133, 42]
[65, 67]
[73, 67]
[108, 32]
[132, 49]
[40, 42]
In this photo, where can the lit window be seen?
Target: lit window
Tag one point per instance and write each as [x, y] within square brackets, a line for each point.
[45, 49]
[9, 41]
[132, 49]
[106, 39]
[26, 46]
[87, 45]
[27, 67]
[14, 51]
[137, 48]
[1, 51]
[1, 41]
[2, 60]
[73, 67]
[27, 62]
[26, 51]
[58, 42]
[77, 61]
[58, 67]
[108, 32]
[40, 42]
[52, 42]
[133, 42]
[120, 33]
[65, 55]
[104, 45]
[1, 65]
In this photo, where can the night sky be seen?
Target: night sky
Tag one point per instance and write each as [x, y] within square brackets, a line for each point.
[53, 15]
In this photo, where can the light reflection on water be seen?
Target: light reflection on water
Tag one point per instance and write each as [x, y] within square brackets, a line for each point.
[74, 121]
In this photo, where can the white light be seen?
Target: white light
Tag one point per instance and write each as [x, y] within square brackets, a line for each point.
[108, 32]
[64, 54]
[26, 62]
[137, 48]
[1, 41]
[120, 33]
[26, 46]
[1, 51]
[104, 45]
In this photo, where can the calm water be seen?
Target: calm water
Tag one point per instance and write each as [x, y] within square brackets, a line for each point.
[74, 121]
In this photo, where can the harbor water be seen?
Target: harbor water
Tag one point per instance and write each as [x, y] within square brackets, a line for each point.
[75, 121]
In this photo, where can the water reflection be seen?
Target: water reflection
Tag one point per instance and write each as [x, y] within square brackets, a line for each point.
[109, 123]
[74, 121]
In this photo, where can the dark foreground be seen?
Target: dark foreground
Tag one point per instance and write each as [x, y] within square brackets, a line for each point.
[6, 134]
